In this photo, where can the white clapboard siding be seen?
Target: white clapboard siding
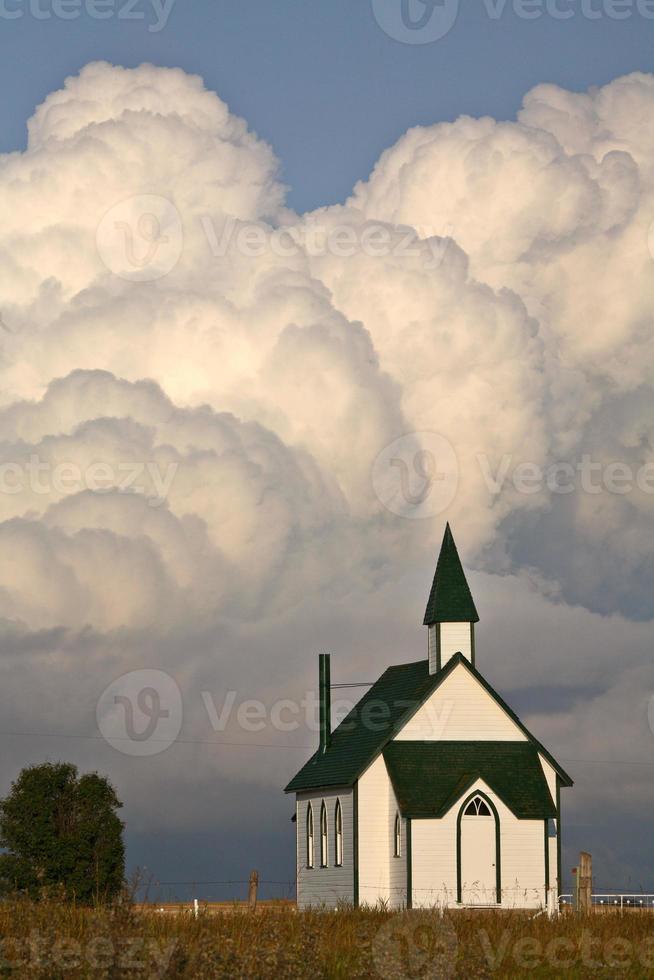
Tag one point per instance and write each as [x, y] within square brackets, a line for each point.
[460, 708]
[522, 844]
[455, 638]
[550, 776]
[382, 877]
[433, 861]
[325, 886]
[432, 647]
[522, 858]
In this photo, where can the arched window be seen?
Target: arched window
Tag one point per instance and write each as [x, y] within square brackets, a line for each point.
[398, 836]
[323, 835]
[338, 835]
[309, 836]
[477, 807]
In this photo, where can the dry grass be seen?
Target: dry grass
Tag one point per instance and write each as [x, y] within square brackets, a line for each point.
[53, 940]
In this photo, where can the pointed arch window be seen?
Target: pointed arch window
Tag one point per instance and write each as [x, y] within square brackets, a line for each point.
[477, 807]
[338, 834]
[323, 835]
[397, 835]
[310, 849]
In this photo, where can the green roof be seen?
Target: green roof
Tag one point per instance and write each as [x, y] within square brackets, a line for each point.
[429, 777]
[450, 599]
[379, 715]
[366, 729]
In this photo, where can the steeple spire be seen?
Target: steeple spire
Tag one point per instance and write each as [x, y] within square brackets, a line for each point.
[450, 599]
[451, 612]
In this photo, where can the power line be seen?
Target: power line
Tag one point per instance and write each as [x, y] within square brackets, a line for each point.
[242, 881]
[167, 741]
[610, 762]
[268, 745]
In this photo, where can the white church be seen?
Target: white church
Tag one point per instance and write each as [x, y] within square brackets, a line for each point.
[431, 792]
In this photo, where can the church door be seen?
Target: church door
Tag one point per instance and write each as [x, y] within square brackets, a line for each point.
[478, 857]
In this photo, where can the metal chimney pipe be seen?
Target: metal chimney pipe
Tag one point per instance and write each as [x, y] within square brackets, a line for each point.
[325, 701]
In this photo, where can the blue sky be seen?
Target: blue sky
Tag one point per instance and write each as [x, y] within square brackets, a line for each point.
[321, 81]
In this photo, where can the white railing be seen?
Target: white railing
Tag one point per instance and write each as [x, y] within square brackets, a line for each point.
[617, 900]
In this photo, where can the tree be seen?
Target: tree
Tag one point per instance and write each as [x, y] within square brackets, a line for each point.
[61, 833]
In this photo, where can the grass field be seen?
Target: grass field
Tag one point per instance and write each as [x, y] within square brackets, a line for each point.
[52, 940]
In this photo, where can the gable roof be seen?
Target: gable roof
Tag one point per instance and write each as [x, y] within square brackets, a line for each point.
[379, 715]
[368, 726]
[450, 599]
[429, 777]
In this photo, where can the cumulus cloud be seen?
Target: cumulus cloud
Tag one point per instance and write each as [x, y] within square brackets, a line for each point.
[186, 458]
[556, 208]
[185, 510]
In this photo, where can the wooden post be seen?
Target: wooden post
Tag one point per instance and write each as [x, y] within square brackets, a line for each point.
[252, 890]
[585, 882]
[552, 904]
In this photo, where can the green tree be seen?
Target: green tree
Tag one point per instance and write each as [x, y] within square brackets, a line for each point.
[61, 833]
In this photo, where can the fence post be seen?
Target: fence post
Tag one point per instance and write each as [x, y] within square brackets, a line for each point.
[252, 889]
[551, 903]
[585, 882]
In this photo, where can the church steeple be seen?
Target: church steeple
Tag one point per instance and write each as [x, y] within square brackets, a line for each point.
[451, 613]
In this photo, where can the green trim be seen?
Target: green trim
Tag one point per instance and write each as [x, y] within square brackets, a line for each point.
[309, 814]
[406, 689]
[323, 813]
[498, 856]
[409, 873]
[472, 644]
[337, 809]
[559, 880]
[355, 845]
[547, 857]
[439, 659]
